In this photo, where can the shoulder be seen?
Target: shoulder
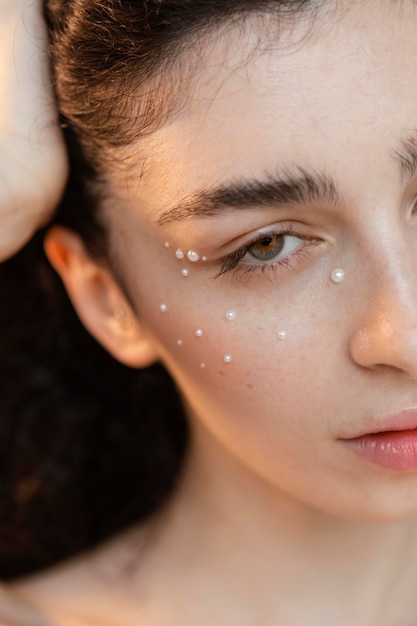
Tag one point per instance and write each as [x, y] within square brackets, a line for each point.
[89, 590]
[18, 610]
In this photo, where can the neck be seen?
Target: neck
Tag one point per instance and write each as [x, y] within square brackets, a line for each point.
[264, 545]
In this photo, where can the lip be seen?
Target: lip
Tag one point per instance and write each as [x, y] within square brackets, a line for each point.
[392, 444]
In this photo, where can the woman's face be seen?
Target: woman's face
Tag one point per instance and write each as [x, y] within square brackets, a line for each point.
[282, 165]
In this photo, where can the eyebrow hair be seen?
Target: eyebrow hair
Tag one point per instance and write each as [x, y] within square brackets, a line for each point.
[407, 156]
[301, 187]
[296, 188]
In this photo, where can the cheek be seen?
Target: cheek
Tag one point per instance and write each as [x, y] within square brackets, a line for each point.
[227, 357]
[237, 353]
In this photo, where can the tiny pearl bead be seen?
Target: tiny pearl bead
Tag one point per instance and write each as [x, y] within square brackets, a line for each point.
[166, 244]
[230, 315]
[198, 332]
[193, 256]
[179, 342]
[337, 275]
[204, 258]
[227, 358]
[202, 365]
[179, 254]
[282, 334]
[163, 308]
[184, 272]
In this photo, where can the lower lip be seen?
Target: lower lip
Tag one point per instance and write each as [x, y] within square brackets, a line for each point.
[395, 450]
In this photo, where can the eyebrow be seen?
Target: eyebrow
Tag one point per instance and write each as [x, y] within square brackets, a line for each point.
[407, 156]
[299, 188]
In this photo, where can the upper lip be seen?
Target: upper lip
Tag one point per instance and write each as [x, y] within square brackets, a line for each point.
[405, 419]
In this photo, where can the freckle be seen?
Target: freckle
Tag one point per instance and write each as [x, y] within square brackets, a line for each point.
[184, 272]
[249, 386]
[179, 254]
[221, 373]
[199, 332]
[163, 308]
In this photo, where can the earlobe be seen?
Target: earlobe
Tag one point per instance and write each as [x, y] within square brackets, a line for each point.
[98, 299]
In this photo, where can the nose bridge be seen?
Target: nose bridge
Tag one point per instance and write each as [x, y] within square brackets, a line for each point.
[386, 333]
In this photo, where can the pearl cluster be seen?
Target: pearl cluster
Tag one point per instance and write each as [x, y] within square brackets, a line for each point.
[337, 276]
[192, 255]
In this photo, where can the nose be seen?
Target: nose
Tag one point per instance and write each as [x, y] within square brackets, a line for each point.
[386, 334]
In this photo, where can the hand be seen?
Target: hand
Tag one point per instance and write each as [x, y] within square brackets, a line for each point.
[33, 162]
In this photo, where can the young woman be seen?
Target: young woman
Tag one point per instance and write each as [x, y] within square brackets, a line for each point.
[247, 172]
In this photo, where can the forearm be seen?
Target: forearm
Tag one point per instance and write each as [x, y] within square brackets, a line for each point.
[33, 163]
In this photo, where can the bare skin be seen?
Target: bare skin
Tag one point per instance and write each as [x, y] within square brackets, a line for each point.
[275, 521]
[33, 162]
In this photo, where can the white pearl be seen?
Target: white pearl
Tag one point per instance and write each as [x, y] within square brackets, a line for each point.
[163, 308]
[166, 244]
[337, 275]
[184, 272]
[179, 254]
[204, 258]
[282, 335]
[179, 342]
[227, 358]
[202, 365]
[198, 332]
[193, 256]
[230, 315]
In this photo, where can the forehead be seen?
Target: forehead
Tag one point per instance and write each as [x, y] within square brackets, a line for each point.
[334, 91]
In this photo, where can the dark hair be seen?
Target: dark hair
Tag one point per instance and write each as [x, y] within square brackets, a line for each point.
[88, 446]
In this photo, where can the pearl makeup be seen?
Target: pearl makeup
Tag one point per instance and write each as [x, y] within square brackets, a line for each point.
[337, 275]
[229, 315]
[193, 256]
[282, 335]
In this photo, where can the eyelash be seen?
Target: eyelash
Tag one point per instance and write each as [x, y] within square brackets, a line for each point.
[232, 262]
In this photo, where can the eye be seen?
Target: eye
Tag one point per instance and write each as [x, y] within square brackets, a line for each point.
[268, 252]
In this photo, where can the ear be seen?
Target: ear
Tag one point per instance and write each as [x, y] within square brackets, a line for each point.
[98, 299]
